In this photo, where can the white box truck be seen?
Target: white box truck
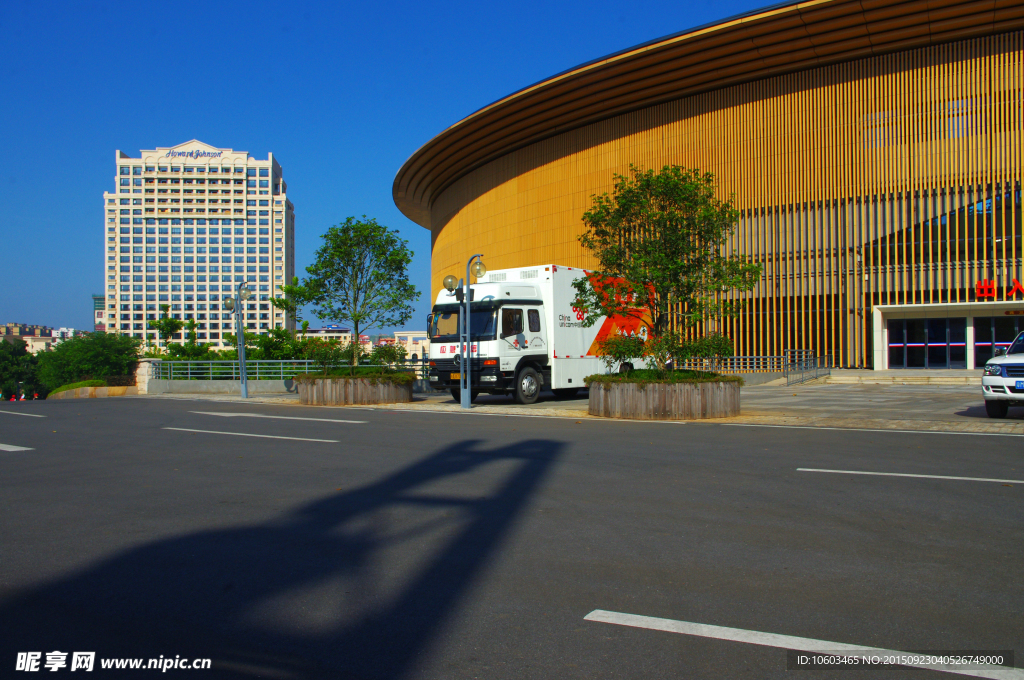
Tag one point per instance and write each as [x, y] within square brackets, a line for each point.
[526, 336]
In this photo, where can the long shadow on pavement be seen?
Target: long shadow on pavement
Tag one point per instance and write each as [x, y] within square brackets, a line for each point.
[355, 585]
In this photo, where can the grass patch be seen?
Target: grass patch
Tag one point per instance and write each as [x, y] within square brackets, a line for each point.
[373, 375]
[649, 376]
[84, 383]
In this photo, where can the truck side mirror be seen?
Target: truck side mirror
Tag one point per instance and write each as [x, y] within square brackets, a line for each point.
[430, 320]
[1000, 351]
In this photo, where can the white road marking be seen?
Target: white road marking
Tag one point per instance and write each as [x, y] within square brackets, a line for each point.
[903, 474]
[15, 413]
[868, 429]
[754, 637]
[11, 447]
[246, 434]
[260, 415]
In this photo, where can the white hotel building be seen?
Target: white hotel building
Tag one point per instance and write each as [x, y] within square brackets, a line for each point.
[183, 227]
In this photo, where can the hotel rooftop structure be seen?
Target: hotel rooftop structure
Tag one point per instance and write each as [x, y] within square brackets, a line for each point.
[183, 227]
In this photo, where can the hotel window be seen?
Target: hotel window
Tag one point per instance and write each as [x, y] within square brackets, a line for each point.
[137, 170]
[125, 170]
[175, 168]
[150, 168]
[264, 172]
[125, 182]
[248, 183]
[264, 184]
[124, 201]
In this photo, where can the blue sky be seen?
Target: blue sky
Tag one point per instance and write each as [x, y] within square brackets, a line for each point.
[341, 93]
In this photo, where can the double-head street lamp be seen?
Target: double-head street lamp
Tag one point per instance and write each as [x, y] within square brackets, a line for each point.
[465, 353]
[234, 305]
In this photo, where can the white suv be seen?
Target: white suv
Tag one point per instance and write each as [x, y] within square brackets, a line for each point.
[1003, 382]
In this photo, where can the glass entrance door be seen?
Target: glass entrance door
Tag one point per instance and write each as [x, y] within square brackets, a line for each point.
[991, 332]
[928, 343]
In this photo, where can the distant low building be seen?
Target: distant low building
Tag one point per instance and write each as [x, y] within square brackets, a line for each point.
[416, 344]
[35, 337]
[329, 332]
[27, 329]
[35, 344]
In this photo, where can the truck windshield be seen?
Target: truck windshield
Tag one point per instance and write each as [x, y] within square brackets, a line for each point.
[445, 326]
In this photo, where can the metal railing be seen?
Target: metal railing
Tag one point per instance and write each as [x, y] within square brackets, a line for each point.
[262, 369]
[802, 366]
[764, 364]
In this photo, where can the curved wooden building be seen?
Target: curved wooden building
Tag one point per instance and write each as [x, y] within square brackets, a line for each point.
[874, 149]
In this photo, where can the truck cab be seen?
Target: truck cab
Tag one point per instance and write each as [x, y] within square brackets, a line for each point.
[509, 342]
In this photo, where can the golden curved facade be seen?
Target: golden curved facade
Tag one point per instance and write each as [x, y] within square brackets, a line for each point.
[876, 181]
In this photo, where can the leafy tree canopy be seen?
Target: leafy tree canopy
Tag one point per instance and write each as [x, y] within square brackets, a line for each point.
[166, 326]
[660, 240]
[17, 365]
[88, 356]
[360, 276]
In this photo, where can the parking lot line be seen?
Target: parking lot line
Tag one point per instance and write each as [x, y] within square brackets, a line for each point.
[246, 434]
[754, 637]
[261, 415]
[15, 413]
[904, 474]
[11, 447]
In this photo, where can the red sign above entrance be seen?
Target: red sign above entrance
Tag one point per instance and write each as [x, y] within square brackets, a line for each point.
[986, 288]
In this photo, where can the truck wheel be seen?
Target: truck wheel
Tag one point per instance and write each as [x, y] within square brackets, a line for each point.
[457, 395]
[996, 409]
[527, 386]
[566, 392]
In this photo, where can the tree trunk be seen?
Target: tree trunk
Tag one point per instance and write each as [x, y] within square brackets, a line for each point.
[356, 346]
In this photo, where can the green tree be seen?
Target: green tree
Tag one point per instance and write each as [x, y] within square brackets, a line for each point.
[360, 276]
[190, 349]
[389, 354]
[278, 343]
[325, 354]
[661, 243]
[17, 366]
[89, 356]
[166, 326]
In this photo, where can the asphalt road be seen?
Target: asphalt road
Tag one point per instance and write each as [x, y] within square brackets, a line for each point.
[444, 545]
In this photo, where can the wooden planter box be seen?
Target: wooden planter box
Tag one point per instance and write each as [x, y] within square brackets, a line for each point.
[665, 401]
[342, 391]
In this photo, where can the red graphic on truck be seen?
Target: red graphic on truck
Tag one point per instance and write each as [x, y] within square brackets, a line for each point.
[635, 323]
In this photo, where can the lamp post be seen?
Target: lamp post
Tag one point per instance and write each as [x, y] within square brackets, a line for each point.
[465, 381]
[234, 305]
